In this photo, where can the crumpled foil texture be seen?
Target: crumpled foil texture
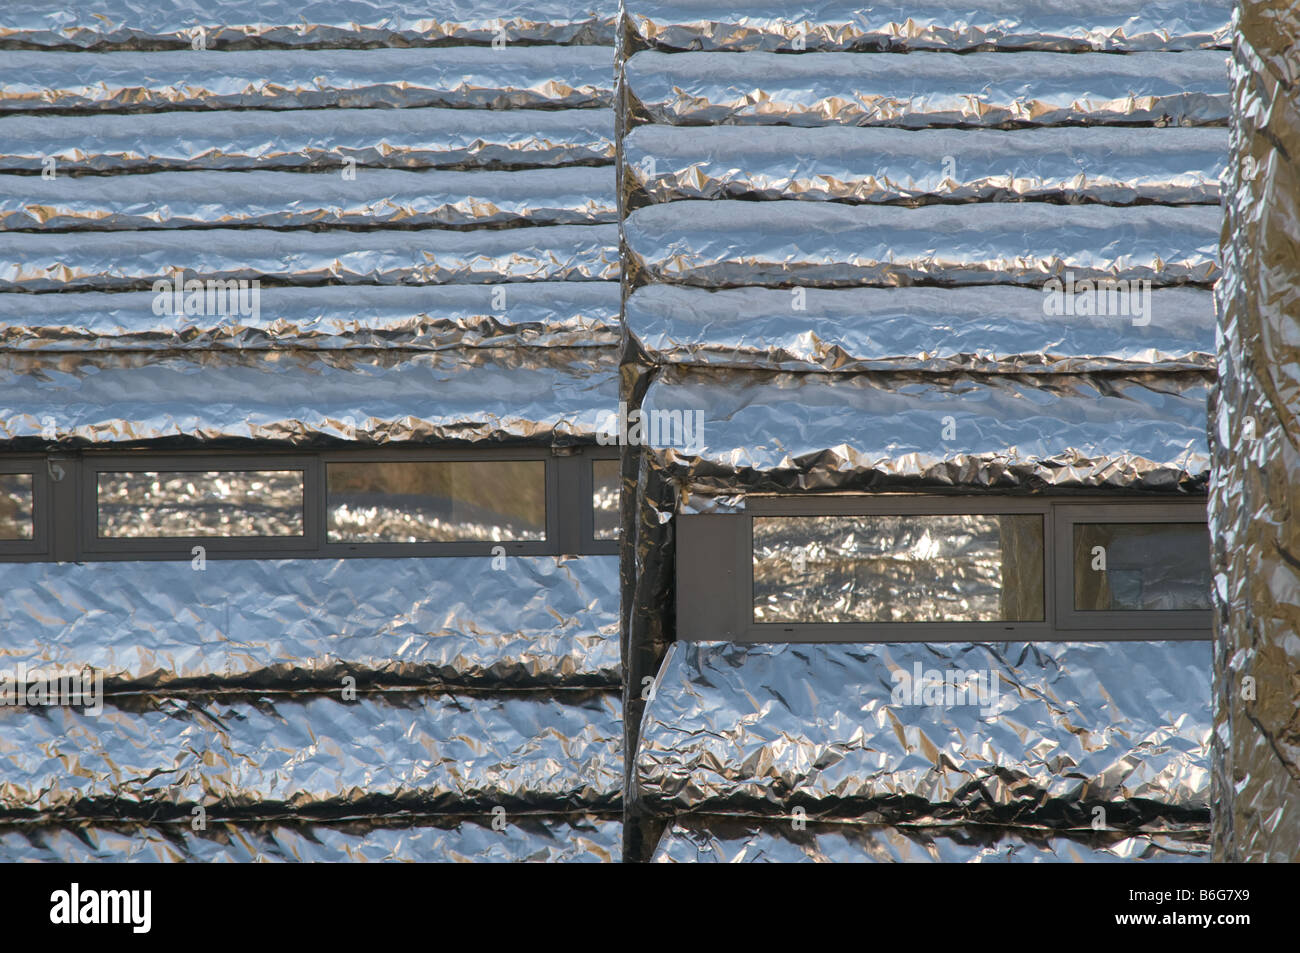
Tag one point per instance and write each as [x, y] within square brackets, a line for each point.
[828, 25]
[276, 754]
[1255, 432]
[302, 623]
[767, 728]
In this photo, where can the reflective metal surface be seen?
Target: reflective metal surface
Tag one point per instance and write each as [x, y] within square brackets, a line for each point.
[931, 25]
[489, 395]
[1254, 422]
[296, 624]
[512, 78]
[722, 840]
[275, 754]
[570, 314]
[281, 200]
[767, 432]
[985, 328]
[851, 164]
[1072, 726]
[308, 139]
[253, 226]
[106, 24]
[88, 261]
[980, 89]
[574, 838]
[723, 244]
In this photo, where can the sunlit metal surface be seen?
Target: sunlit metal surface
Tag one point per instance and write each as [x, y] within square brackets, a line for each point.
[1254, 425]
[723, 244]
[271, 755]
[89, 261]
[256, 199]
[788, 432]
[850, 164]
[1062, 25]
[540, 621]
[309, 139]
[988, 329]
[722, 840]
[980, 89]
[480, 78]
[547, 395]
[569, 314]
[108, 24]
[575, 838]
[1072, 726]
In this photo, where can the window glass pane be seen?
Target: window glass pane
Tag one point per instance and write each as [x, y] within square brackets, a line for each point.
[437, 501]
[604, 498]
[942, 568]
[16, 506]
[1141, 566]
[216, 503]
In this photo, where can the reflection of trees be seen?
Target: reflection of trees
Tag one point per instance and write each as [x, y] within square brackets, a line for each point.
[15, 506]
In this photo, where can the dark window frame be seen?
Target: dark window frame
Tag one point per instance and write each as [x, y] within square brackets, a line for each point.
[1068, 616]
[66, 516]
[721, 569]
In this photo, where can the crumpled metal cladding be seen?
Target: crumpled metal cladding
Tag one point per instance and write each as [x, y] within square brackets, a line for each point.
[721, 244]
[985, 329]
[564, 314]
[785, 432]
[269, 755]
[276, 23]
[832, 25]
[1254, 424]
[259, 199]
[574, 838]
[729, 840]
[465, 77]
[481, 395]
[765, 728]
[1120, 166]
[88, 261]
[301, 623]
[915, 91]
[308, 139]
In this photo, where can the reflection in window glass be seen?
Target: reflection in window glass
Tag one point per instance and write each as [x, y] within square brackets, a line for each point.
[604, 498]
[1141, 566]
[215, 503]
[15, 506]
[437, 501]
[941, 568]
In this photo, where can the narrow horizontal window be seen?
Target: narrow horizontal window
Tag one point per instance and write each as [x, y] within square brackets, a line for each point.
[199, 503]
[1141, 567]
[898, 568]
[604, 498]
[436, 501]
[16, 520]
